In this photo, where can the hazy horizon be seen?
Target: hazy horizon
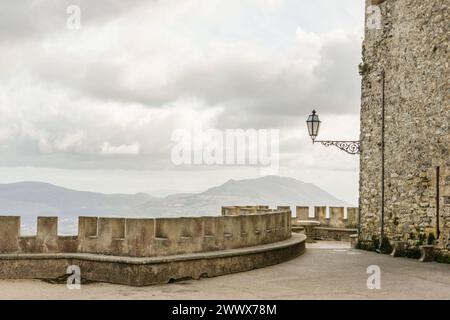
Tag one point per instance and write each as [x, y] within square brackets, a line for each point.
[141, 185]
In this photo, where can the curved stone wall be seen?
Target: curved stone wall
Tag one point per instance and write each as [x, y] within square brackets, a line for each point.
[142, 252]
[142, 271]
[149, 237]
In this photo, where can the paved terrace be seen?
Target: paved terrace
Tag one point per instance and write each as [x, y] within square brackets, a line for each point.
[327, 270]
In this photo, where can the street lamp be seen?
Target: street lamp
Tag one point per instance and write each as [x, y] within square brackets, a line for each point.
[313, 123]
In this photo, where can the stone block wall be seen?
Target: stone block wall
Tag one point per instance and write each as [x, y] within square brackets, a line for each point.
[336, 234]
[411, 45]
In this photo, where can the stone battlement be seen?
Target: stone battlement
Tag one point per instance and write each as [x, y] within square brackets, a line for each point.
[328, 216]
[326, 223]
[331, 217]
[319, 222]
[142, 252]
[148, 237]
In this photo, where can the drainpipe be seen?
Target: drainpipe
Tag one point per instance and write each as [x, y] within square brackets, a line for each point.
[438, 173]
[382, 154]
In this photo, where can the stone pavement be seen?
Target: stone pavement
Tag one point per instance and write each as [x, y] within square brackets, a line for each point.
[327, 270]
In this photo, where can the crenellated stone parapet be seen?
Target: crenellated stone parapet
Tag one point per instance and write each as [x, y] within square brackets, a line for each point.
[326, 223]
[148, 237]
[142, 252]
[332, 217]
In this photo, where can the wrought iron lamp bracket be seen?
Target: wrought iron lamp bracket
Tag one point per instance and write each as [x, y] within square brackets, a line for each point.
[351, 147]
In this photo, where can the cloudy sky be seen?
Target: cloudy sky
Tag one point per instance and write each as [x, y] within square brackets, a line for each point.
[95, 108]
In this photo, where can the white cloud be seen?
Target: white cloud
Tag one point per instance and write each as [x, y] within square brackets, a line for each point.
[124, 149]
[134, 73]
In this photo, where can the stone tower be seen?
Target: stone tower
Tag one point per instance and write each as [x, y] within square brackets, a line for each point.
[409, 41]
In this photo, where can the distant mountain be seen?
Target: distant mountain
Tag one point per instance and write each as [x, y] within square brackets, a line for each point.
[30, 199]
[270, 190]
[161, 193]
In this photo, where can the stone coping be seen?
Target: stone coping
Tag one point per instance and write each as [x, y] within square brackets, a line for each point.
[336, 229]
[307, 223]
[294, 240]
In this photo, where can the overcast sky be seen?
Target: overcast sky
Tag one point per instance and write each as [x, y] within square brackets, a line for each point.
[95, 108]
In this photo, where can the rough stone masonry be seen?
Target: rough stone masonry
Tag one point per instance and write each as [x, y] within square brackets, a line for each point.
[410, 43]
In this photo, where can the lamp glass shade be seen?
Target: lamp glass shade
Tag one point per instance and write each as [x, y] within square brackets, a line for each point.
[313, 123]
